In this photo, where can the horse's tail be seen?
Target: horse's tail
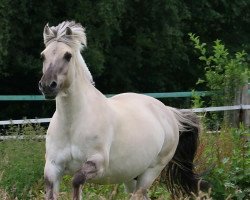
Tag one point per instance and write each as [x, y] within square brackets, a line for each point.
[179, 174]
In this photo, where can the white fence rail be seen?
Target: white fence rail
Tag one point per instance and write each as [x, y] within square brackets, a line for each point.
[22, 137]
[197, 110]
[47, 120]
[25, 121]
[221, 108]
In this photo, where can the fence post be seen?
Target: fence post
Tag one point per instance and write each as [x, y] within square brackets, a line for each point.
[244, 116]
[233, 118]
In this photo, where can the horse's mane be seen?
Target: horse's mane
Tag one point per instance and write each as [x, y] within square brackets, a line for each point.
[76, 39]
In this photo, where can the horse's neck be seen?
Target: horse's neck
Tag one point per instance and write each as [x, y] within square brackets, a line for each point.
[70, 104]
[79, 98]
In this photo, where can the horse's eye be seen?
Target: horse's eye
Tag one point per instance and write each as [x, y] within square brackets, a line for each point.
[67, 56]
[42, 57]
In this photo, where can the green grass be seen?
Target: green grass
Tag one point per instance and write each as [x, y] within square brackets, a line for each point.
[227, 153]
[21, 166]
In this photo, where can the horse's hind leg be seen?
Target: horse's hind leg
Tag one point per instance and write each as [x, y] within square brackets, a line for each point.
[139, 195]
[130, 186]
[145, 180]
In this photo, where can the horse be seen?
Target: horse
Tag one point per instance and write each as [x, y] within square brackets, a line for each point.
[128, 138]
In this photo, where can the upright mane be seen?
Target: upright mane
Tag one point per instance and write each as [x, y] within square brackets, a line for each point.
[70, 33]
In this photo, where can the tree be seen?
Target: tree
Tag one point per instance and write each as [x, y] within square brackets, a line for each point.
[133, 45]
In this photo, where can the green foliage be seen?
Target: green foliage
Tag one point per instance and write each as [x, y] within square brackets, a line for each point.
[224, 74]
[227, 154]
[197, 100]
[4, 36]
[26, 129]
[221, 19]
[127, 40]
[139, 46]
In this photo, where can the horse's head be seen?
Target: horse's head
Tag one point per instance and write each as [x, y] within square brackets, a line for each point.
[56, 63]
[63, 43]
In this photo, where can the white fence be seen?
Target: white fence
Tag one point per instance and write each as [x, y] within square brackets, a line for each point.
[47, 120]
[197, 110]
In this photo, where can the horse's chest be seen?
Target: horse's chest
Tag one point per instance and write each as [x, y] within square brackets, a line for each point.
[70, 153]
[70, 158]
[75, 160]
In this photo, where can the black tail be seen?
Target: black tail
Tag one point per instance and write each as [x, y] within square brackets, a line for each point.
[180, 176]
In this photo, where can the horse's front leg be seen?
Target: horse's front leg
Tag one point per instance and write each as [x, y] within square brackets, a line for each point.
[93, 167]
[52, 176]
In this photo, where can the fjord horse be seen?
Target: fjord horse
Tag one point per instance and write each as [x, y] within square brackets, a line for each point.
[129, 138]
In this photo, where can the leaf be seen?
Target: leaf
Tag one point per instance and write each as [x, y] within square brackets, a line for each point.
[200, 81]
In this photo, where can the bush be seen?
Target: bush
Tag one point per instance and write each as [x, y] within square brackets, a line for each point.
[224, 76]
[227, 155]
[224, 73]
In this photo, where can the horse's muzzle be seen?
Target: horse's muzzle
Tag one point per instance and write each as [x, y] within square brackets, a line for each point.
[49, 91]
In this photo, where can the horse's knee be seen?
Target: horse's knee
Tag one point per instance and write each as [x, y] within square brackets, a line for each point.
[88, 171]
[79, 179]
[52, 175]
[48, 183]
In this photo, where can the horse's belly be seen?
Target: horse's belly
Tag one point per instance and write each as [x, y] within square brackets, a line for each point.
[115, 177]
[129, 161]
[123, 170]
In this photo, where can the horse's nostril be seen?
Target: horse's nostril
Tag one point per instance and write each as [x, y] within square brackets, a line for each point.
[53, 84]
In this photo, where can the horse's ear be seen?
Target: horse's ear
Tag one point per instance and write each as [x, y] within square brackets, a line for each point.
[47, 30]
[68, 31]
[47, 33]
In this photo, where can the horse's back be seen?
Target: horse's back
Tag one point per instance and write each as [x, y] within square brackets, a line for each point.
[146, 113]
[133, 105]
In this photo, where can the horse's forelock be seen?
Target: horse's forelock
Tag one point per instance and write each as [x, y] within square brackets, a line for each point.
[76, 40]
